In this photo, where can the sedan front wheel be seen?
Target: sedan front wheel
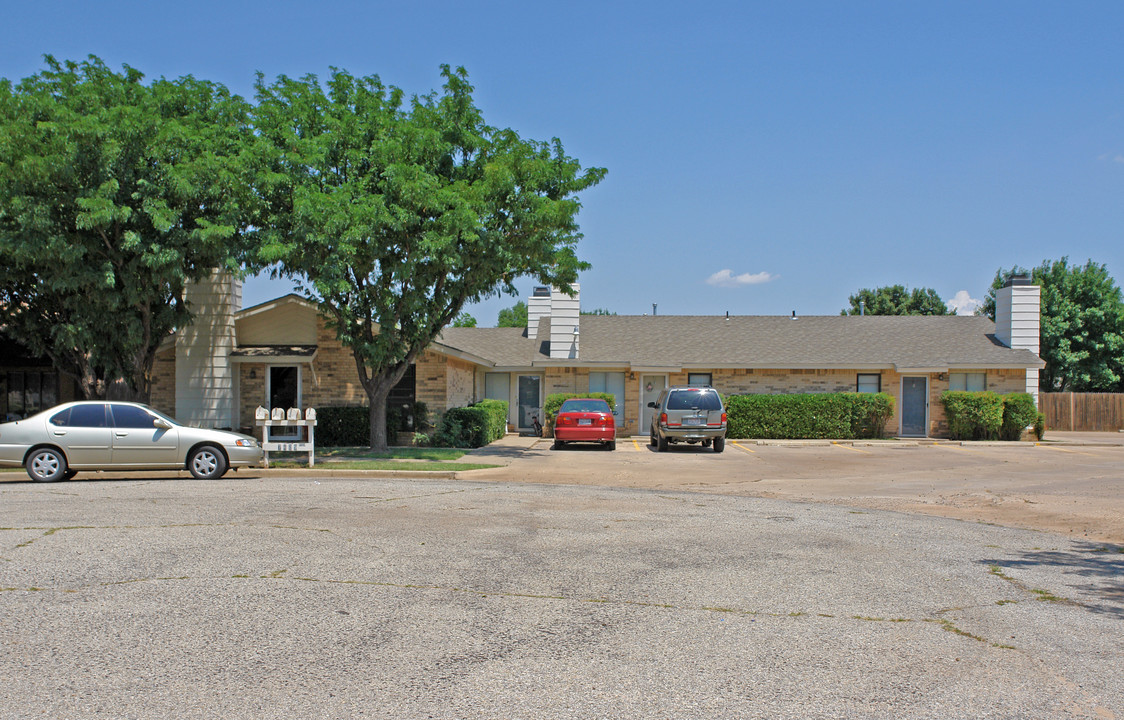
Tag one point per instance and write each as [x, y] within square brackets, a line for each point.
[46, 465]
[207, 463]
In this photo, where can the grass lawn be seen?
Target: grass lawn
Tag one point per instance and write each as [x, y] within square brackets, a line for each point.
[434, 465]
[364, 458]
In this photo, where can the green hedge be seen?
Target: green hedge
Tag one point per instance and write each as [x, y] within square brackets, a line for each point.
[1019, 413]
[350, 425]
[973, 415]
[808, 416]
[988, 415]
[555, 400]
[473, 426]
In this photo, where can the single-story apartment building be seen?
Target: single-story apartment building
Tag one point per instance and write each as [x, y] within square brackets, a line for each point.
[281, 354]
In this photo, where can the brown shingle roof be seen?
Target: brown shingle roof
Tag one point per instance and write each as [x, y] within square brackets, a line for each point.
[757, 341]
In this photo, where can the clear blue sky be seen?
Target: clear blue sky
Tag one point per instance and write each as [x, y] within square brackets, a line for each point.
[813, 148]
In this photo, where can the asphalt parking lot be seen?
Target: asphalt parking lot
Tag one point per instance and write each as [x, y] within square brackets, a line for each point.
[264, 596]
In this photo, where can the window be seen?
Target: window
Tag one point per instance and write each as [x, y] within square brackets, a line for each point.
[694, 400]
[699, 378]
[869, 383]
[26, 392]
[92, 415]
[612, 383]
[128, 416]
[971, 382]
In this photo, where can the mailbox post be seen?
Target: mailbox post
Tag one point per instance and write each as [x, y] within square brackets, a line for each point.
[280, 418]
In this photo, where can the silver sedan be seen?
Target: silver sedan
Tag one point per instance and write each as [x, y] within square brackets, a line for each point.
[91, 435]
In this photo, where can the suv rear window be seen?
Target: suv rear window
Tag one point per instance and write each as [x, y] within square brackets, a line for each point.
[694, 400]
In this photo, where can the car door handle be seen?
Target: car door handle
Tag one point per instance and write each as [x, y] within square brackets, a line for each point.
[122, 434]
[58, 433]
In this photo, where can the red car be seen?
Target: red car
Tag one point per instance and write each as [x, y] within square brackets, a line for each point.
[585, 420]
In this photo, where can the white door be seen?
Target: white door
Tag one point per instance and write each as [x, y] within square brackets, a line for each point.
[650, 388]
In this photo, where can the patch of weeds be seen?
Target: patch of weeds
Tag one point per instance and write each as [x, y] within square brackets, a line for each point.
[1006, 602]
[1047, 596]
[239, 576]
[948, 626]
[798, 613]
[868, 619]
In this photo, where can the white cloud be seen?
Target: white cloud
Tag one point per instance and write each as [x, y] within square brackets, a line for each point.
[963, 303]
[727, 278]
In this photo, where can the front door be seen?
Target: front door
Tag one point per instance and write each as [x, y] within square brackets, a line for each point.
[915, 406]
[284, 392]
[650, 388]
[530, 401]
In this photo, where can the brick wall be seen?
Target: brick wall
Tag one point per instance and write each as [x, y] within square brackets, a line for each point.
[163, 393]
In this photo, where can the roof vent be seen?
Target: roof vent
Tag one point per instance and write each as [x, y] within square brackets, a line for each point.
[794, 315]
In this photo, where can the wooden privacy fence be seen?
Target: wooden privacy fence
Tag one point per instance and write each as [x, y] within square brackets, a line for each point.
[1088, 412]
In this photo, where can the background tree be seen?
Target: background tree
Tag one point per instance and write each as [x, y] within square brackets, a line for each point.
[464, 320]
[597, 311]
[393, 216]
[898, 300]
[1082, 335]
[514, 316]
[113, 194]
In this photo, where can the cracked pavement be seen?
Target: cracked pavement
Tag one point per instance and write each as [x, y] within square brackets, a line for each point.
[338, 598]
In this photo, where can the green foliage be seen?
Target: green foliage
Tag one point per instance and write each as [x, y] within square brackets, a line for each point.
[973, 415]
[464, 320]
[349, 425]
[555, 400]
[394, 215]
[1040, 425]
[1019, 413]
[1082, 335]
[597, 311]
[898, 300]
[514, 316]
[473, 426]
[833, 416]
[113, 194]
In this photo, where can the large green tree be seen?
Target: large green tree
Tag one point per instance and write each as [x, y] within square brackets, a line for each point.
[113, 194]
[897, 300]
[514, 316]
[1082, 331]
[393, 214]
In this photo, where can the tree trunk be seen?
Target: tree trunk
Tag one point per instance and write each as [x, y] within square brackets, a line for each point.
[378, 418]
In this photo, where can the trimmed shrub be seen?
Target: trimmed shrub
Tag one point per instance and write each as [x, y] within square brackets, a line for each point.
[973, 415]
[1019, 413]
[1040, 425]
[808, 416]
[343, 426]
[473, 426]
[350, 425]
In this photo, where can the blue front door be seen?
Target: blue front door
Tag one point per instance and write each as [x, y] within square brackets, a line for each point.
[915, 406]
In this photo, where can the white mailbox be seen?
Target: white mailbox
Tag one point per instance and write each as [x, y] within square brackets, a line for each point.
[292, 418]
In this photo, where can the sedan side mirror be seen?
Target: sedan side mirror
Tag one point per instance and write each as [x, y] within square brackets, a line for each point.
[161, 423]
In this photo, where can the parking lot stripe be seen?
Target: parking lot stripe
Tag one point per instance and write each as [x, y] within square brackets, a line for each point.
[1072, 452]
[635, 444]
[739, 446]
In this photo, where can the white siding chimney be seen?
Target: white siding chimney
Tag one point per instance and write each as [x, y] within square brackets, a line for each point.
[1018, 307]
[206, 384]
[538, 306]
[565, 312]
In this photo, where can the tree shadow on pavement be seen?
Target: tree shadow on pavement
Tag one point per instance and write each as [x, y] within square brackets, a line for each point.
[1097, 569]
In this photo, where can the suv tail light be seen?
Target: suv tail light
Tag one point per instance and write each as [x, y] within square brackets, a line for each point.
[723, 418]
[663, 418]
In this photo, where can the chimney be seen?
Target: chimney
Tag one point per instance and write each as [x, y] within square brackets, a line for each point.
[538, 306]
[1017, 321]
[205, 378]
[565, 312]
